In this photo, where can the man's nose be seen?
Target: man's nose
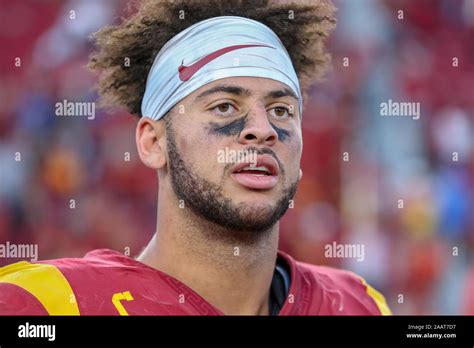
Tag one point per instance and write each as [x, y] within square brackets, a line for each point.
[258, 129]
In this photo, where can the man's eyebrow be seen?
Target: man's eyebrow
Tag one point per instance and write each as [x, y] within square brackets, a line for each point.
[239, 91]
[281, 93]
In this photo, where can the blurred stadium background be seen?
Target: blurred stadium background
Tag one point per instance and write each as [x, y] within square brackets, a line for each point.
[420, 256]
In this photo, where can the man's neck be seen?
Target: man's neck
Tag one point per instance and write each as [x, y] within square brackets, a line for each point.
[234, 277]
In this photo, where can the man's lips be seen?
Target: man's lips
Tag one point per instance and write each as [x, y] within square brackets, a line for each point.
[262, 175]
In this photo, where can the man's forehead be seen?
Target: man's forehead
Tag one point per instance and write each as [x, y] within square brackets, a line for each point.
[244, 86]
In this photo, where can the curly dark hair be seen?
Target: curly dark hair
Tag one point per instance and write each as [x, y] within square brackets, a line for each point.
[302, 27]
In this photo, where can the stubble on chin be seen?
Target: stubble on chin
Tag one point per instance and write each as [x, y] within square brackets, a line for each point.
[235, 223]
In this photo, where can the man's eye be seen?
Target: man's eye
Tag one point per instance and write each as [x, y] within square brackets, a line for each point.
[224, 109]
[279, 112]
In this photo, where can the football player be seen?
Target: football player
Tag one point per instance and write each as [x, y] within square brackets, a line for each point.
[205, 77]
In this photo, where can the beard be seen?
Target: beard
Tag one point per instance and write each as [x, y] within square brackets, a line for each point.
[242, 221]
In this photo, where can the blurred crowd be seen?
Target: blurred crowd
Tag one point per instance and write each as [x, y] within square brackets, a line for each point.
[403, 188]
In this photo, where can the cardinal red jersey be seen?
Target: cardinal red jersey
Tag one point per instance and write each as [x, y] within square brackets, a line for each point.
[106, 282]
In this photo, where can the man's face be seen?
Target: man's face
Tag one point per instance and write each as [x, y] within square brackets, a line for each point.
[220, 130]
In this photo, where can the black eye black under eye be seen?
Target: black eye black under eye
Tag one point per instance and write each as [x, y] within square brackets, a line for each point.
[229, 129]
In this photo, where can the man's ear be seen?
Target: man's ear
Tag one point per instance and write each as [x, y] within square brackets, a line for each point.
[301, 174]
[151, 142]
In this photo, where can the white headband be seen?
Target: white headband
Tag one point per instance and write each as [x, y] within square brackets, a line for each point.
[200, 55]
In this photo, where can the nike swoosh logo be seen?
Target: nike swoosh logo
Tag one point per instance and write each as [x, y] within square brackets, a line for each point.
[186, 72]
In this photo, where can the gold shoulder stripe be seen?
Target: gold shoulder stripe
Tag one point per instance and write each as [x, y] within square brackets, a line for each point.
[378, 298]
[46, 283]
